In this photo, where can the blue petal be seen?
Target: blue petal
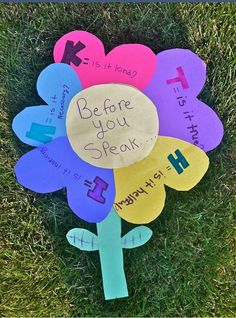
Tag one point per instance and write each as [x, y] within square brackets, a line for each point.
[36, 125]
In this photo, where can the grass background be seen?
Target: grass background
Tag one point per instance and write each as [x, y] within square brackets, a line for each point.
[187, 269]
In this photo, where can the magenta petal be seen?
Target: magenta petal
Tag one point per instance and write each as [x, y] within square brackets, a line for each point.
[179, 78]
[90, 190]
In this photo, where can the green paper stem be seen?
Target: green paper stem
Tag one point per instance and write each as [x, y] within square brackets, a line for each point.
[111, 257]
[110, 244]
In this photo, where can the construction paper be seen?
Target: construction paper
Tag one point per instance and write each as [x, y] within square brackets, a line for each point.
[37, 125]
[112, 125]
[136, 237]
[83, 239]
[132, 64]
[111, 257]
[140, 193]
[178, 80]
[109, 243]
[90, 190]
[103, 112]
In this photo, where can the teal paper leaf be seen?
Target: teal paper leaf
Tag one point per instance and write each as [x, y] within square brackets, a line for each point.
[83, 239]
[136, 237]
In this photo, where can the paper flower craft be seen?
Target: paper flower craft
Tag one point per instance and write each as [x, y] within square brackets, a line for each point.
[117, 128]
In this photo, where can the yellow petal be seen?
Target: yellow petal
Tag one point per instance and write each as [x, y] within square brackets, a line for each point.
[140, 192]
[136, 206]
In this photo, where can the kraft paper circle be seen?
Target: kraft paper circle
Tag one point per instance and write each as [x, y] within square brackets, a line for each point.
[112, 125]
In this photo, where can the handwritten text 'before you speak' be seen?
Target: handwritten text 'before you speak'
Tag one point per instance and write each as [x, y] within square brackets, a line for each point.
[105, 119]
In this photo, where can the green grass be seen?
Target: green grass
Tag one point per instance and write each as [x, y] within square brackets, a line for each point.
[187, 269]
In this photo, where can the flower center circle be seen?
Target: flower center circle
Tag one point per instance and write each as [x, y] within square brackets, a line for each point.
[112, 125]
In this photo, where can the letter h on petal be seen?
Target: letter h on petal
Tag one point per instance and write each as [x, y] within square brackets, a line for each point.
[180, 163]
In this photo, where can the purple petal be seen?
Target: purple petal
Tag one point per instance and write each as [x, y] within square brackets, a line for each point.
[90, 190]
[179, 78]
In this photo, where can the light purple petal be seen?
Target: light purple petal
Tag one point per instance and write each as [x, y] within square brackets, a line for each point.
[179, 78]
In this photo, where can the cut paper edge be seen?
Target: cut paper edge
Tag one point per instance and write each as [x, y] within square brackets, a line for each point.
[172, 162]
